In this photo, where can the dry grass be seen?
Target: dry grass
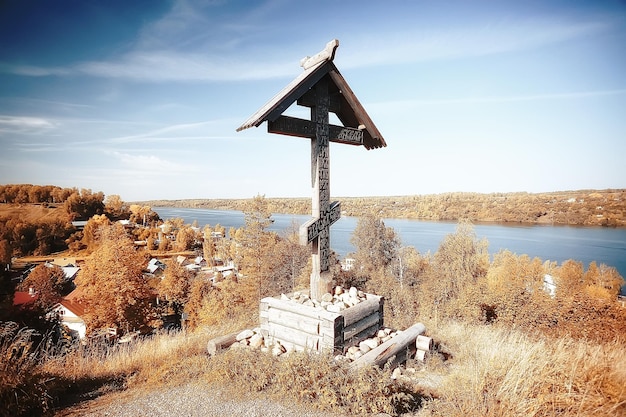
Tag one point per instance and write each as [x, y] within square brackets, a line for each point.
[493, 372]
[499, 372]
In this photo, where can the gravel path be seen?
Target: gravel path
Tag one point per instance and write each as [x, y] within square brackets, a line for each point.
[189, 400]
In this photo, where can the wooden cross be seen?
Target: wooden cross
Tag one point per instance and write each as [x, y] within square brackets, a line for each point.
[322, 88]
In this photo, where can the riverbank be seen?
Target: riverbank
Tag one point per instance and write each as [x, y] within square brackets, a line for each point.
[605, 208]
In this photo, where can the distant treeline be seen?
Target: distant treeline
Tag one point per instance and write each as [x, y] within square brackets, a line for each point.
[582, 207]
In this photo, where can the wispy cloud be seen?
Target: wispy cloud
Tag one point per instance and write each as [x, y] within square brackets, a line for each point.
[195, 130]
[150, 163]
[505, 99]
[438, 44]
[195, 45]
[24, 125]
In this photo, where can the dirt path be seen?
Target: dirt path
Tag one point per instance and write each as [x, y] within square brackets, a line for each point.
[193, 399]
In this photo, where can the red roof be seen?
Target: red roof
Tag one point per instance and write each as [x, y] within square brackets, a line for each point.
[70, 302]
[23, 297]
[76, 308]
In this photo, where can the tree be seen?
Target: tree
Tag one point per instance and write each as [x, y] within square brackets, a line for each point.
[186, 238]
[176, 285]
[6, 252]
[257, 244]
[50, 284]
[289, 259]
[92, 230]
[111, 282]
[85, 204]
[114, 207]
[376, 246]
[456, 266]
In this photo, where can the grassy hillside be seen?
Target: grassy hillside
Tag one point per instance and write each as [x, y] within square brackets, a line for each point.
[492, 371]
[582, 207]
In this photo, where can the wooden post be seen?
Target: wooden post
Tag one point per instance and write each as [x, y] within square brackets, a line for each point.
[395, 350]
[317, 231]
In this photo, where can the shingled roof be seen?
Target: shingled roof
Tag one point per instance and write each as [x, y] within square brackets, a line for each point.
[344, 104]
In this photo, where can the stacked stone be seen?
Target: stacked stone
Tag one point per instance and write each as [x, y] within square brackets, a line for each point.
[355, 352]
[254, 339]
[336, 302]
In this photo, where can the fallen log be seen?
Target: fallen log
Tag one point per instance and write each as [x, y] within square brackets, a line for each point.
[394, 350]
[220, 343]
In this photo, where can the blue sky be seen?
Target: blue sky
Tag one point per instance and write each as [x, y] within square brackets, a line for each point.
[142, 98]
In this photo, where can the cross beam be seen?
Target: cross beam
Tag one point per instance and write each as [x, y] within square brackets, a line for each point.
[293, 126]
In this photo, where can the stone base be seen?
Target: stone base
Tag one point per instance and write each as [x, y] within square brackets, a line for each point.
[304, 327]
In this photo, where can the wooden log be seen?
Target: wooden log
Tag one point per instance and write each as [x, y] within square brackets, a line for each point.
[424, 343]
[299, 338]
[363, 324]
[293, 307]
[220, 343]
[363, 309]
[394, 350]
[293, 320]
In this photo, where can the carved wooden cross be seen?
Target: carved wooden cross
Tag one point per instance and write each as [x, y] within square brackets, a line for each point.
[322, 88]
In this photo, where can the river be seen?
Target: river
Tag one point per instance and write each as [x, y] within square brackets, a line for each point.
[554, 243]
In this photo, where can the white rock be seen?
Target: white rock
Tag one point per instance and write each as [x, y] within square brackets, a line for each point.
[381, 333]
[308, 303]
[256, 341]
[338, 290]
[284, 297]
[373, 342]
[278, 349]
[335, 308]
[397, 373]
[353, 349]
[244, 335]
[327, 297]
[354, 293]
[364, 347]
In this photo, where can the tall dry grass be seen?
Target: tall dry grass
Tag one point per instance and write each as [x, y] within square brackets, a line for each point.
[501, 372]
[493, 372]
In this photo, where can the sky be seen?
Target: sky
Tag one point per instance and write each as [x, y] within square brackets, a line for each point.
[142, 98]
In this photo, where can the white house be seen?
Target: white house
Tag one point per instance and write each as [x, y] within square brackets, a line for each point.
[549, 285]
[347, 264]
[70, 314]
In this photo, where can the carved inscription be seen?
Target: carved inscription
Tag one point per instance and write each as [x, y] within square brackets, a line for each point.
[350, 136]
[293, 126]
[313, 228]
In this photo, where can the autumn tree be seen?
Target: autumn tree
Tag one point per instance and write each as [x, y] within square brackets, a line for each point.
[456, 266]
[84, 204]
[142, 214]
[289, 259]
[256, 245]
[6, 252]
[50, 284]
[91, 231]
[115, 208]
[514, 294]
[186, 238]
[376, 246]
[114, 291]
[175, 285]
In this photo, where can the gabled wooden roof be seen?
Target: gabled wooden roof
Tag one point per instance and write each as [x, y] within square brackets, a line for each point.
[349, 110]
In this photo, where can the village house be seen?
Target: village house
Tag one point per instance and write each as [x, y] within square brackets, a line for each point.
[69, 312]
